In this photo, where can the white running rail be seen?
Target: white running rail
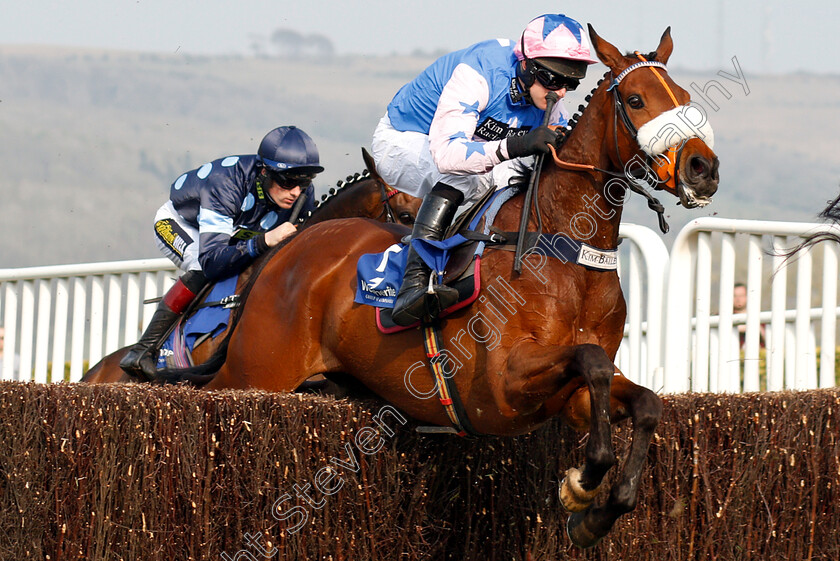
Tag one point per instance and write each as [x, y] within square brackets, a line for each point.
[702, 350]
[643, 270]
[680, 333]
[44, 332]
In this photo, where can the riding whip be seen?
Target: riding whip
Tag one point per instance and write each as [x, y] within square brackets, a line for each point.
[550, 99]
[298, 207]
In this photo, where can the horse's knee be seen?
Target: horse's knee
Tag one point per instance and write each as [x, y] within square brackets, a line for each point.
[647, 410]
[595, 364]
[623, 499]
[600, 459]
[594, 356]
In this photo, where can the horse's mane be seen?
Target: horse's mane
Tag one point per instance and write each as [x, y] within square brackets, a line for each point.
[331, 194]
[324, 202]
[648, 56]
[573, 121]
[201, 374]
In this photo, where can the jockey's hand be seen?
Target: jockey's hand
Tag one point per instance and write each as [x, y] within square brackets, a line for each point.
[534, 142]
[280, 233]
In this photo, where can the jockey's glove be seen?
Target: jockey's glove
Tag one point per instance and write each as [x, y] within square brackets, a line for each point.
[534, 142]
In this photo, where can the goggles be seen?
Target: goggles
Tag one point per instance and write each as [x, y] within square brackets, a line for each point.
[290, 180]
[553, 81]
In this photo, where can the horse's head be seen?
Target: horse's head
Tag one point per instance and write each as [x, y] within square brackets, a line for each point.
[396, 206]
[405, 208]
[657, 127]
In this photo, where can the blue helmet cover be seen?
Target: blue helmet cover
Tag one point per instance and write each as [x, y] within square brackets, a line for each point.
[289, 148]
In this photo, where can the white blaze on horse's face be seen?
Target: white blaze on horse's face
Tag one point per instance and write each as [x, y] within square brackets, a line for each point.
[678, 141]
[662, 139]
[673, 128]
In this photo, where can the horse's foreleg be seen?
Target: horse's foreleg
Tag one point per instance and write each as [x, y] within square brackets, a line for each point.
[547, 374]
[580, 486]
[645, 409]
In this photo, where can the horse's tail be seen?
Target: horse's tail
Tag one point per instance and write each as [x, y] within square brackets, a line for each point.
[830, 214]
[832, 211]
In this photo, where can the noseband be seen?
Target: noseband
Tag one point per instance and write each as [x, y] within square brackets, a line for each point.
[621, 110]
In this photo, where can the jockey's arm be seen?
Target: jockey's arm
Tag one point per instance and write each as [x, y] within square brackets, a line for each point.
[451, 142]
[219, 257]
[218, 254]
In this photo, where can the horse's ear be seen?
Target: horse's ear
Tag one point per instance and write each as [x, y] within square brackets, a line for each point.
[368, 159]
[370, 164]
[608, 54]
[666, 47]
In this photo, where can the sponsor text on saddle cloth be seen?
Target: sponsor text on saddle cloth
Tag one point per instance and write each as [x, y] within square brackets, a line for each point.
[379, 275]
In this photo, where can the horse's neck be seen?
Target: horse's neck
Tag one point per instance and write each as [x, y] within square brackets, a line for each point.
[574, 202]
[357, 199]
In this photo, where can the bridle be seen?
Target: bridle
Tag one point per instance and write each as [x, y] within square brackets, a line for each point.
[667, 171]
[387, 209]
[665, 167]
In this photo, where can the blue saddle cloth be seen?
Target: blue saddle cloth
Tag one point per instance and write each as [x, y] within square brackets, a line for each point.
[379, 275]
[211, 319]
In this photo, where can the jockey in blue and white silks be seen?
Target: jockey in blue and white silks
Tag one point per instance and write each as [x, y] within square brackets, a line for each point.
[456, 115]
[219, 218]
[451, 133]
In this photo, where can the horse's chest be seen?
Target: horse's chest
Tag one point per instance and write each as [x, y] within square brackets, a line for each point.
[579, 307]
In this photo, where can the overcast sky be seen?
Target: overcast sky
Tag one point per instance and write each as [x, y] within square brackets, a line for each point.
[770, 36]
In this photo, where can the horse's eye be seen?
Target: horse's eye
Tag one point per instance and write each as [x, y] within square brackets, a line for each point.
[635, 102]
[406, 218]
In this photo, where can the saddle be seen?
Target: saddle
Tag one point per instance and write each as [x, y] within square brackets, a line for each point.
[380, 275]
[203, 321]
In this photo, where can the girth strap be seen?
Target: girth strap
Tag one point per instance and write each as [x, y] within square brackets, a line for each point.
[447, 391]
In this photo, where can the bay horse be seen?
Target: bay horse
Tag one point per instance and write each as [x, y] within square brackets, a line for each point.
[363, 194]
[542, 347]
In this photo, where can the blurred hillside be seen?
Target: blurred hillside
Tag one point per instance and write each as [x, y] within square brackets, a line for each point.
[91, 140]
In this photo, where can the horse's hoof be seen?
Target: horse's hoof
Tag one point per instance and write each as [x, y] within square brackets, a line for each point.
[573, 496]
[579, 533]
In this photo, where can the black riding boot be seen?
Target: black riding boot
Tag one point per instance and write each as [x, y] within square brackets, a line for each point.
[141, 359]
[415, 299]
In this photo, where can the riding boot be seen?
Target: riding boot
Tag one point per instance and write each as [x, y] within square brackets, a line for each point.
[416, 297]
[141, 359]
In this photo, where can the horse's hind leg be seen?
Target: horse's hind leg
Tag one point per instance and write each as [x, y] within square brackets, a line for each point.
[586, 528]
[580, 486]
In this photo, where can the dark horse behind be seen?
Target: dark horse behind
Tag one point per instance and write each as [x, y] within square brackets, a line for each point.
[539, 344]
[360, 195]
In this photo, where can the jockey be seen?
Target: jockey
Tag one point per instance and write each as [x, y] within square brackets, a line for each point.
[222, 216]
[452, 132]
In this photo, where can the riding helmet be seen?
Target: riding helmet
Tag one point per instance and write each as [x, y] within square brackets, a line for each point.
[559, 43]
[289, 148]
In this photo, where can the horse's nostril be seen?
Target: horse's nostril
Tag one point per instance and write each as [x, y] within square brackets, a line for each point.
[699, 166]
